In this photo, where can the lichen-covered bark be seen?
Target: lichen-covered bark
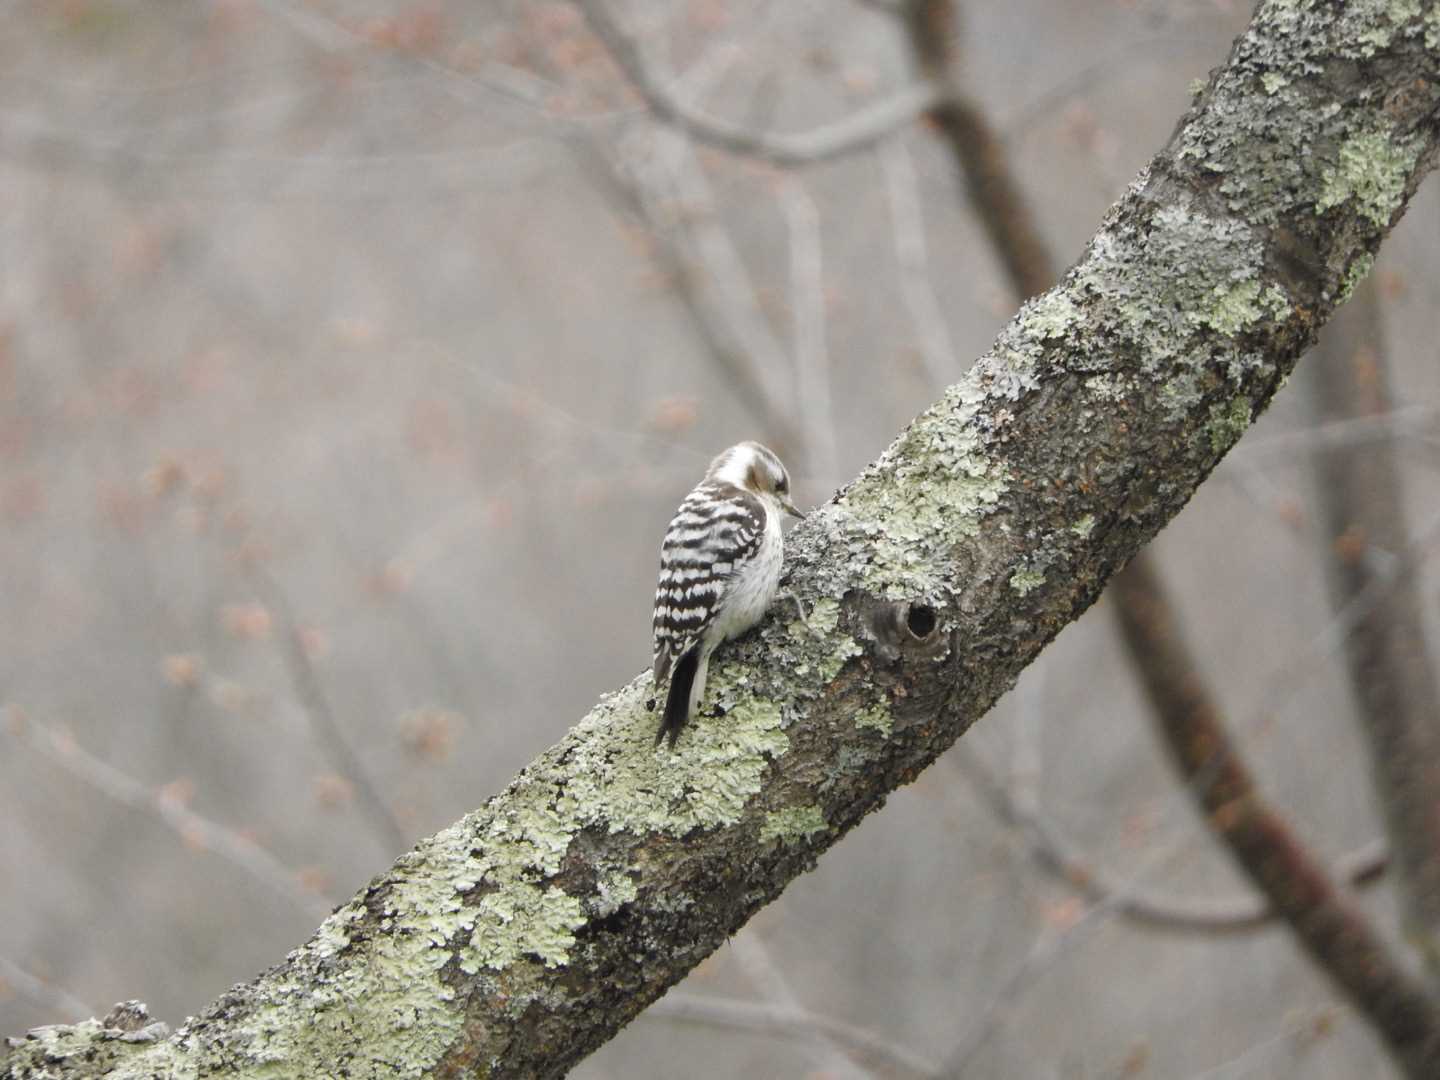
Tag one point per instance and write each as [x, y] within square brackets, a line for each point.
[522, 937]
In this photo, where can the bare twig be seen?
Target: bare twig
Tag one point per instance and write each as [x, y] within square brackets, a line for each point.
[859, 131]
[807, 306]
[913, 259]
[1342, 434]
[322, 718]
[192, 828]
[888, 1058]
[1057, 857]
[1395, 687]
[1041, 957]
[1293, 676]
[41, 991]
[760, 968]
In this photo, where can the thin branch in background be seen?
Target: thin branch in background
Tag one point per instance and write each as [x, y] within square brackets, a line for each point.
[807, 307]
[859, 131]
[1335, 933]
[1298, 1035]
[41, 992]
[1362, 503]
[1041, 958]
[708, 278]
[196, 831]
[695, 219]
[1292, 678]
[1349, 433]
[768, 977]
[912, 256]
[323, 723]
[1055, 855]
[994, 192]
[877, 1053]
[331, 36]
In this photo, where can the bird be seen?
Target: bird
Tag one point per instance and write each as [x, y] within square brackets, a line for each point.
[719, 571]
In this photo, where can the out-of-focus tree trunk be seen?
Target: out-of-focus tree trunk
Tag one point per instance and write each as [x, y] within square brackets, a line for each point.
[1362, 503]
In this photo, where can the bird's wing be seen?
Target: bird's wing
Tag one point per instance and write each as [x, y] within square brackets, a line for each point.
[716, 530]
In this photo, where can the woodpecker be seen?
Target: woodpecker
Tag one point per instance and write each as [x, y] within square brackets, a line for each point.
[719, 568]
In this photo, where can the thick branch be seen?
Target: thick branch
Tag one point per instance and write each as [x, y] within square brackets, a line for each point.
[519, 939]
[1363, 505]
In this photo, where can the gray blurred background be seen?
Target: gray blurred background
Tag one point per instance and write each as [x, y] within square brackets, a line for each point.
[353, 357]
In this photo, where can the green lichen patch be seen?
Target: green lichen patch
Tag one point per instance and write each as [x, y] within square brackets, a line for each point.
[876, 718]
[1358, 271]
[930, 490]
[816, 648]
[1084, 527]
[388, 998]
[1271, 153]
[613, 891]
[334, 933]
[522, 920]
[1211, 288]
[1371, 168]
[1273, 82]
[618, 780]
[1108, 388]
[1227, 423]
[1235, 306]
[1367, 26]
[823, 617]
[88, 1045]
[480, 895]
[791, 825]
[1051, 314]
[1027, 581]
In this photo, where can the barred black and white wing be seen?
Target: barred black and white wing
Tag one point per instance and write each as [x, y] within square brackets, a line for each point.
[713, 537]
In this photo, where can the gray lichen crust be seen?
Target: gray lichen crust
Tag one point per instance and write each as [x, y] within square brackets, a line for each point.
[526, 934]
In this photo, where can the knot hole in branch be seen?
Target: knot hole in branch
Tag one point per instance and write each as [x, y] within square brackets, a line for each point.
[906, 628]
[920, 621]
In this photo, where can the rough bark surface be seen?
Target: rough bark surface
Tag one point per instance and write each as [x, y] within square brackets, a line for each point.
[522, 937]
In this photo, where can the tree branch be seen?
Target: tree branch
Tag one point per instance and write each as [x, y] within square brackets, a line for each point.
[525, 935]
[1055, 855]
[199, 832]
[859, 131]
[893, 1058]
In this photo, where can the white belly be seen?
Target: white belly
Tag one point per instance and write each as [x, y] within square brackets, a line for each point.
[752, 588]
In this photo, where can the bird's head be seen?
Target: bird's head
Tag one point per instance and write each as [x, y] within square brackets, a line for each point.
[756, 469]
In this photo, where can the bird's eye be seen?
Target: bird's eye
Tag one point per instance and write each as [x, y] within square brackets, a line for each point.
[782, 485]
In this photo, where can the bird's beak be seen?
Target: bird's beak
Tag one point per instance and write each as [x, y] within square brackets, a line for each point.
[789, 507]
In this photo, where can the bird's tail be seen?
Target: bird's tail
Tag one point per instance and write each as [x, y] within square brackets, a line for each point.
[682, 696]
